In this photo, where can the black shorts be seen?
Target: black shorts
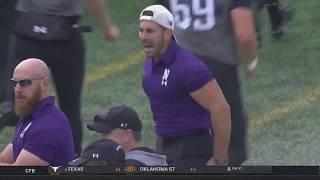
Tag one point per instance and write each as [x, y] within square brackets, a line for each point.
[190, 150]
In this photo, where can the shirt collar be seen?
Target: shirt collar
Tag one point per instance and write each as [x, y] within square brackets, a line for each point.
[168, 56]
[42, 105]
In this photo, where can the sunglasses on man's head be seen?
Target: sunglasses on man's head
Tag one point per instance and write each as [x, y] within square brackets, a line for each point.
[23, 82]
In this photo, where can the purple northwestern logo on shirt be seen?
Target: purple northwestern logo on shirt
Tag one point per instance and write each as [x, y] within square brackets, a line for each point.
[25, 130]
[165, 77]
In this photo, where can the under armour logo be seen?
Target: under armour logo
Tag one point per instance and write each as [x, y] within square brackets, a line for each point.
[25, 129]
[119, 147]
[40, 29]
[165, 77]
[95, 155]
[124, 125]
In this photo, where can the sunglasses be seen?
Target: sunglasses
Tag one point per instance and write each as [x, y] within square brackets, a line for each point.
[23, 82]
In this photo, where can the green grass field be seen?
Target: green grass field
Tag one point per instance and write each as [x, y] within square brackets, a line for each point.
[282, 101]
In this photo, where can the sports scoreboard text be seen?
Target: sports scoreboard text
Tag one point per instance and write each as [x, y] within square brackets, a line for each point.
[161, 170]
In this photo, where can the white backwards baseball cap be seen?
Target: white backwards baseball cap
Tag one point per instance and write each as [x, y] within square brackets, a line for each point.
[159, 14]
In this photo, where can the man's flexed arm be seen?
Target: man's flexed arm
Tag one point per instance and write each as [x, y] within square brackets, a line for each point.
[211, 97]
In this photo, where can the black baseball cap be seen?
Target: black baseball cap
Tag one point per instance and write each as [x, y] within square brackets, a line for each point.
[101, 150]
[123, 117]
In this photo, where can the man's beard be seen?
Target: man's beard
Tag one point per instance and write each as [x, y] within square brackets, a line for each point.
[25, 106]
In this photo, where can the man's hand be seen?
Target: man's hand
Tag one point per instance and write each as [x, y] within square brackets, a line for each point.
[6, 156]
[211, 162]
[99, 9]
[218, 161]
[112, 33]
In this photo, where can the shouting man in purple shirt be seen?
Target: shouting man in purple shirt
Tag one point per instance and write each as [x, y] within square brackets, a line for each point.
[191, 115]
[43, 135]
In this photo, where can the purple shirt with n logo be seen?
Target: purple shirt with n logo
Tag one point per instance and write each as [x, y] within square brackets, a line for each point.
[168, 84]
[45, 133]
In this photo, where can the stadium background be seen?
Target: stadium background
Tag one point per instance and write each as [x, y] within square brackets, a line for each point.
[282, 101]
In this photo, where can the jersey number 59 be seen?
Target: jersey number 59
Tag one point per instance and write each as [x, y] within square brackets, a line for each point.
[194, 14]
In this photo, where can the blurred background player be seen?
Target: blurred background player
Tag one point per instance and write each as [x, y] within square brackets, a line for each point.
[6, 18]
[123, 125]
[222, 34]
[278, 16]
[49, 30]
